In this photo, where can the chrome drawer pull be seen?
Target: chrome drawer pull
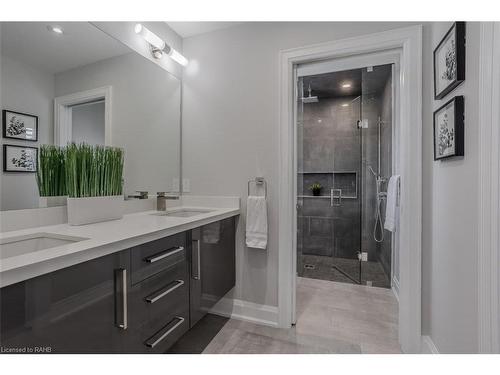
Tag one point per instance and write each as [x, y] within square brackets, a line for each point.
[159, 337]
[156, 296]
[156, 257]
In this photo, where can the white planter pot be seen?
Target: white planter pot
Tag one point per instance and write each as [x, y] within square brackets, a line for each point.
[94, 209]
[52, 201]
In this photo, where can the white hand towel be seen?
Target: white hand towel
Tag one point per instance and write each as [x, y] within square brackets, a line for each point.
[391, 208]
[256, 231]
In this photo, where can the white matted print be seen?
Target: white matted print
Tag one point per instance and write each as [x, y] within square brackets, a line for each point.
[19, 158]
[449, 61]
[449, 129]
[446, 60]
[17, 125]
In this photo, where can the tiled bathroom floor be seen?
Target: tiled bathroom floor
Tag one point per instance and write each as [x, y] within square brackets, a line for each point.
[332, 317]
[371, 271]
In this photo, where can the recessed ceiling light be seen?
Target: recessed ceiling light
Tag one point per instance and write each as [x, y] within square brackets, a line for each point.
[346, 85]
[345, 105]
[55, 29]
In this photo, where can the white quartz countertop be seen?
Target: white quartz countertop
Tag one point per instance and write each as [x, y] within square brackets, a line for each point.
[100, 239]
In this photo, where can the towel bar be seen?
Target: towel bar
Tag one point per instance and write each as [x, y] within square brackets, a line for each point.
[258, 181]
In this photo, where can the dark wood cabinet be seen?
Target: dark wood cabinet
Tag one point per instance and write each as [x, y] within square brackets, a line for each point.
[139, 300]
[71, 310]
[212, 266]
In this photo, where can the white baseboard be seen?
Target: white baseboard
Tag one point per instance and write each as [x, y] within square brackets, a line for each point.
[248, 311]
[395, 288]
[428, 346]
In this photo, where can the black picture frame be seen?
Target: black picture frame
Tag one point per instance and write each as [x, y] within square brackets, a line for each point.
[5, 112]
[5, 164]
[458, 127]
[458, 31]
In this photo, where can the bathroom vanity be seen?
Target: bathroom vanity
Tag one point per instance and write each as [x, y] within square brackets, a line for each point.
[133, 285]
[140, 296]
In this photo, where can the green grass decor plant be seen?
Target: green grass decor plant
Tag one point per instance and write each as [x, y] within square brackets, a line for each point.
[50, 175]
[93, 171]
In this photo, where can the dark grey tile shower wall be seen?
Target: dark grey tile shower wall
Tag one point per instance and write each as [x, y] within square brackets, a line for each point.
[330, 143]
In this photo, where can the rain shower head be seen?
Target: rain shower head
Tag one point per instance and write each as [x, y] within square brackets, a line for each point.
[310, 98]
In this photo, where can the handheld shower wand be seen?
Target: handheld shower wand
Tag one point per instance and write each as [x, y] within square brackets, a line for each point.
[381, 196]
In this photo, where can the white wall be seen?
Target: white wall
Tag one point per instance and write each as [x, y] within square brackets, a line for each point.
[145, 116]
[230, 124]
[450, 212]
[28, 90]
[87, 122]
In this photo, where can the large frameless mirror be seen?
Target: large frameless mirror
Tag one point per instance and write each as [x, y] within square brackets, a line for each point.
[71, 82]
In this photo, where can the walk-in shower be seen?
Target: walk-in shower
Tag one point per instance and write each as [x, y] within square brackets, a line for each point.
[344, 160]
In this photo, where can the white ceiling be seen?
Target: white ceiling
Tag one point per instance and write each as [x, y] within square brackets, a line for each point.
[187, 29]
[81, 44]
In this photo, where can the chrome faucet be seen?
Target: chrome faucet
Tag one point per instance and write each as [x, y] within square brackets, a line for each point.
[161, 200]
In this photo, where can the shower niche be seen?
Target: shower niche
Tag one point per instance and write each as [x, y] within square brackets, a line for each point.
[345, 184]
[335, 229]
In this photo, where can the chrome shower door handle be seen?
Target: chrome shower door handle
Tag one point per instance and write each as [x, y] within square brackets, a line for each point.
[335, 197]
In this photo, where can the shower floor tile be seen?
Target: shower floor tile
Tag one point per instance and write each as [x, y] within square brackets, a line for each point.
[323, 270]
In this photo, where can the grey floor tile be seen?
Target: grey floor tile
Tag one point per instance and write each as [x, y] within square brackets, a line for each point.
[332, 317]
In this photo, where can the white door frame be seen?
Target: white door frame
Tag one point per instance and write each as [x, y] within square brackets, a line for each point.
[409, 40]
[489, 174]
[62, 113]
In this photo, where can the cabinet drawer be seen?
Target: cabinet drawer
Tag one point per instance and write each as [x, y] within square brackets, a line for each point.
[164, 308]
[167, 335]
[153, 257]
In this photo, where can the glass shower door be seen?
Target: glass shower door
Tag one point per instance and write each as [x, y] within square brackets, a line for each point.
[376, 142]
[328, 194]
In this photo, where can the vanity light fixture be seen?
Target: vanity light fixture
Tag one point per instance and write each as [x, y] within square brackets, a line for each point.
[55, 29]
[345, 105]
[346, 85]
[158, 45]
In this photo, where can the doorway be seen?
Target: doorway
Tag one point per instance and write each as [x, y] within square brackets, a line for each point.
[344, 162]
[406, 43]
[83, 116]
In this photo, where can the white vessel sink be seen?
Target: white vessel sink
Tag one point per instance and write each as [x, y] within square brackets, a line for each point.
[183, 212]
[13, 246]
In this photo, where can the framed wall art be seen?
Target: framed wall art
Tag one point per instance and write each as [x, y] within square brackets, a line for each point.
[449, 129]
[449, 61]
[20, 126]
[20, 158]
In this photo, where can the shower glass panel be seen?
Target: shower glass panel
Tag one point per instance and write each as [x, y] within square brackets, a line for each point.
[376, 142]
[336, 114]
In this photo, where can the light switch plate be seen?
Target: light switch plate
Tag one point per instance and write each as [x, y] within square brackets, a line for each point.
[186, 185]
[364, 256]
